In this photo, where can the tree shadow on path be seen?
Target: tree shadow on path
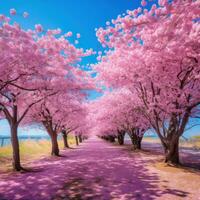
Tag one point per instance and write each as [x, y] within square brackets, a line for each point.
[111, 173]
[95, 170]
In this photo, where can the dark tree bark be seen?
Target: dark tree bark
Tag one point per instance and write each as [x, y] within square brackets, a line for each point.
[135, 139]
[111, 138]
[105, 138]
[170, 139]
[76, 137]
[54, 142]
[14, 119]
[171, 149]
[172, 153]
[170, 135]
[80, 139]
[13, 122]
[53, 136]
[120, 137]
[65, 139]
[15, 146]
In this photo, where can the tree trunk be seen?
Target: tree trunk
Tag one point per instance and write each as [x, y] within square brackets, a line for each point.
[15, 146]
[80, 139]
[120, 137]
[170, 141]
[54, 142]
[76, 137]
[111, 138]
[171, 148]
[136, 140]
[65, 141]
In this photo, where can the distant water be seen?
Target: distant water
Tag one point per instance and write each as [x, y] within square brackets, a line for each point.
[154, 135]
[5, 140]
[22, 131]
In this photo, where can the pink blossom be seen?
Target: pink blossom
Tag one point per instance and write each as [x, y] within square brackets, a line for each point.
[135, 12]
[157, 61]
[139, 10]
[98, 58]
[68, 34]
[37, 82]
[162, 2]
[25, 14]
[13, 11]
[2, 17]
[38, 28]
[143, 3]
[107, 23]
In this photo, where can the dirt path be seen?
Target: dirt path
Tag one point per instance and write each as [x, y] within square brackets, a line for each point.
[100, 171]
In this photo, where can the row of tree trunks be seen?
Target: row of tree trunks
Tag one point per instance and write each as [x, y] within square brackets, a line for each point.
[54, 144]
[134, 135]
[78, 139]
[55, 149]
[109, 138]
[170, 144]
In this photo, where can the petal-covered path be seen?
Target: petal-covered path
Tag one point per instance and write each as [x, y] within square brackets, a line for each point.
[95, 170]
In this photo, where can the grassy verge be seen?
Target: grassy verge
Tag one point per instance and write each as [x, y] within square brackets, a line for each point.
[193, 142]
[29, 150]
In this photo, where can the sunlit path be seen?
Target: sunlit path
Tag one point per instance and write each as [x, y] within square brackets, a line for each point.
[95, 170]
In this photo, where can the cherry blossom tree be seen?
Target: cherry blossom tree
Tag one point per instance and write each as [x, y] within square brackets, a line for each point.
[155, 53]
[59, 112]
[21, 81]
[119, 114]
[31, 66]
[50, 114]
[74, 121]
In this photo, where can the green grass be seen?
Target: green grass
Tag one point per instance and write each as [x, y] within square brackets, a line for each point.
[197, 137]
[29, 150]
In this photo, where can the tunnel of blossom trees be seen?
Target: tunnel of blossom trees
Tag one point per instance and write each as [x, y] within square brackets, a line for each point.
[150, 69]
[154, 61]
[149, 77]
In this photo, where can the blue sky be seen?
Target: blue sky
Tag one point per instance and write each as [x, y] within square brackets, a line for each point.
[78, 16]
